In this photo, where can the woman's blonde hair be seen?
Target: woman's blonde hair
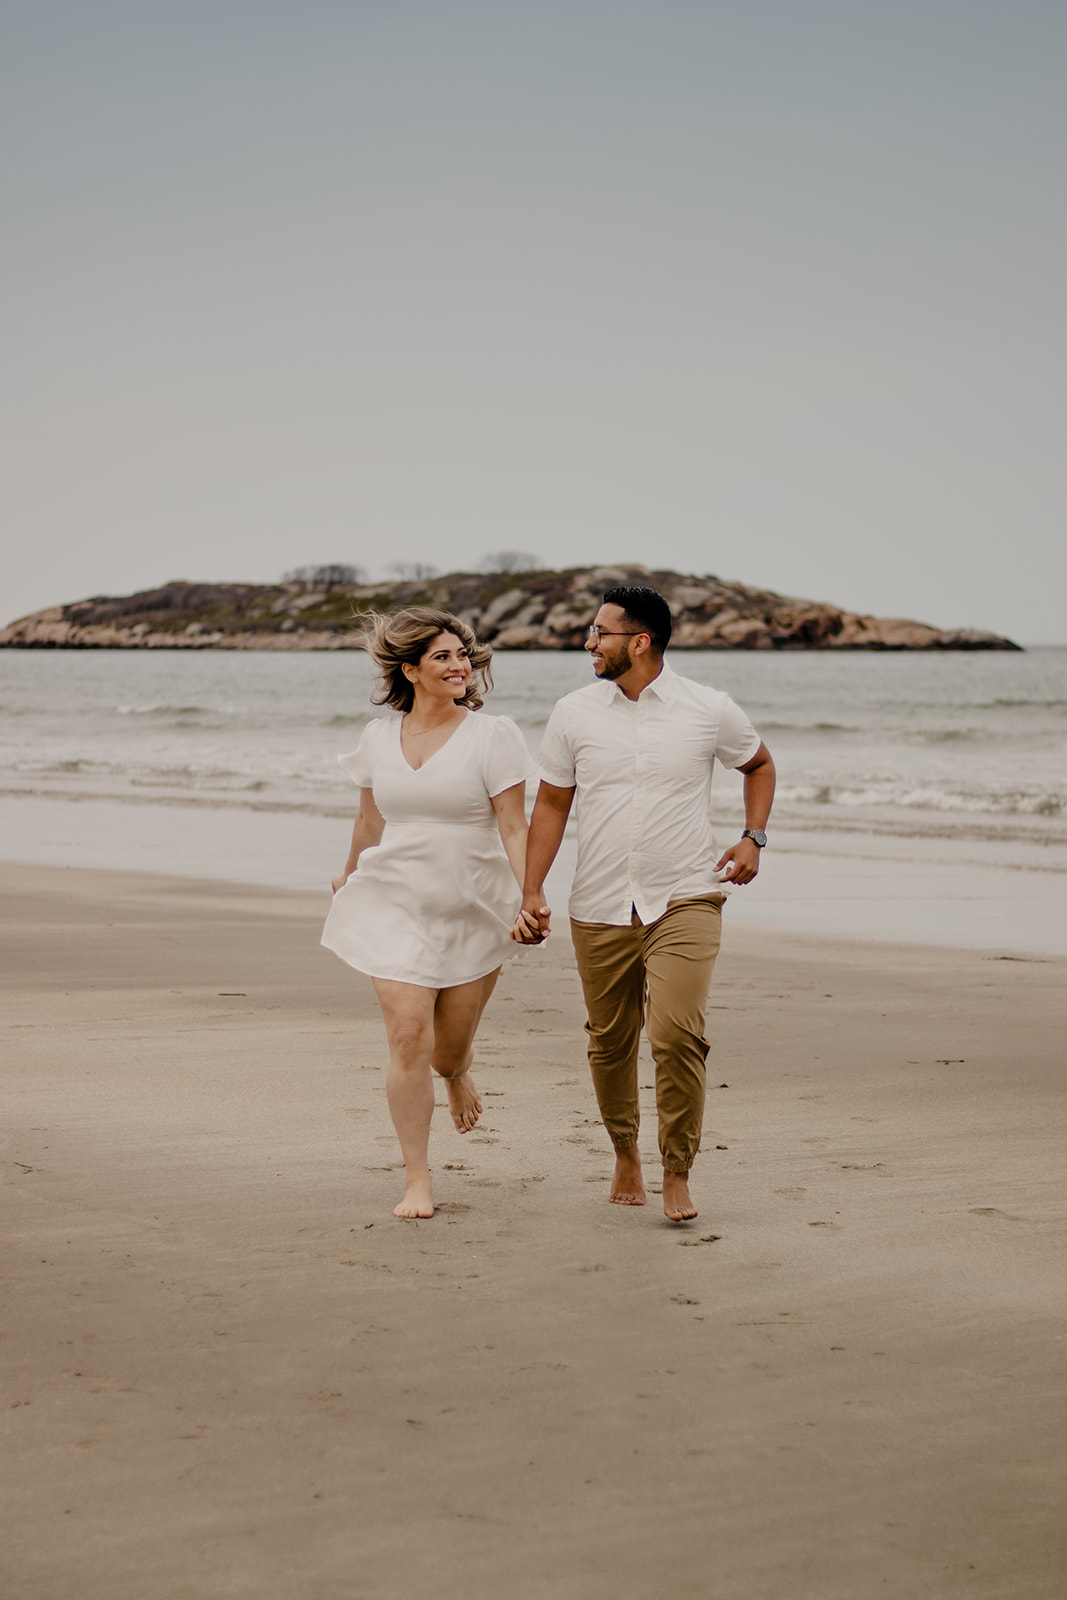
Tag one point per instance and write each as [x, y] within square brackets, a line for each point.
[403, 638]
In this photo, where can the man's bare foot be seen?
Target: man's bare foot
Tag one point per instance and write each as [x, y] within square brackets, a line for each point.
[677, 1203]
[627, 1185]
[464, 1101]
[417, 1201]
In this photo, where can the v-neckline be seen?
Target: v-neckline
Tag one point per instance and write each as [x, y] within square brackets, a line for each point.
[436, 753]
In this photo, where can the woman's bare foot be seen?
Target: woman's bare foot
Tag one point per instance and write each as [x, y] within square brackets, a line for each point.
[677, 1204]
[464, 1101]
[417, 1201]
[627, 1186]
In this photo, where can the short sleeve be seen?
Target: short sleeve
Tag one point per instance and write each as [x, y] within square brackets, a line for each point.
[737, 740]
[506, 760]
[555, 759]
[360, 763]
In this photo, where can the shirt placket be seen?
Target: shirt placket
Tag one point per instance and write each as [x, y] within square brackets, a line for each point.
[639, 805]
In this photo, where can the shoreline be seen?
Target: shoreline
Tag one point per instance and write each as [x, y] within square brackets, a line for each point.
[840, 885]
[231, 1370]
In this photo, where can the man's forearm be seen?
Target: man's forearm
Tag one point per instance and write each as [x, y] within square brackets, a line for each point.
[547, 827]
[759, 794]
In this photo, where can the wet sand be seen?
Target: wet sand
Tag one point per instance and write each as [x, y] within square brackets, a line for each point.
[229, 1371]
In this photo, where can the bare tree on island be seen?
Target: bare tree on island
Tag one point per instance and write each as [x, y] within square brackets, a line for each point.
[412, 571]
[329, 575]
[507, 562]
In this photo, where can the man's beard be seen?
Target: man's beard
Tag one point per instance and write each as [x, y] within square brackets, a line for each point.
[614, 666]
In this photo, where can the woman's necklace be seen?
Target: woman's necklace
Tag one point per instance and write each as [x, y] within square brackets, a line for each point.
[417, 733]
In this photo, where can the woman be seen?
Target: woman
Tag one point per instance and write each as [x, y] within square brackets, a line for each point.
[433, 879]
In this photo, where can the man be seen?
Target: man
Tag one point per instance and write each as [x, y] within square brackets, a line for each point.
[637, 748]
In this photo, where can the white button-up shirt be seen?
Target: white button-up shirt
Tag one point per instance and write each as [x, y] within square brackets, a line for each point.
[642, 769]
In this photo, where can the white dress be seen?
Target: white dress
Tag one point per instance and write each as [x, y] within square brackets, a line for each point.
[434, 902]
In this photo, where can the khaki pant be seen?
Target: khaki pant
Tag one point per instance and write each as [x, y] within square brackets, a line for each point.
[658, 975]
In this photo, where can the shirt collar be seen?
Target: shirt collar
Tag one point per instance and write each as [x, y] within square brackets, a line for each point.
[661, 686]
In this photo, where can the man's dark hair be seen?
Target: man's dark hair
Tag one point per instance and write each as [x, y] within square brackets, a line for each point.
[647, 610]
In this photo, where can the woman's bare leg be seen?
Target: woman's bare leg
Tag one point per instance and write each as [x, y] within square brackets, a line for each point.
[455, 1022]
[424, 1026]
[408, 1013]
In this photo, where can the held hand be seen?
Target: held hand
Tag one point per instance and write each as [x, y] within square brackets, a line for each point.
[743, 859]
[532, 925]
[339, 882]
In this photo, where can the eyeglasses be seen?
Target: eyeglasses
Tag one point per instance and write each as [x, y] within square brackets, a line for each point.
[595, 633]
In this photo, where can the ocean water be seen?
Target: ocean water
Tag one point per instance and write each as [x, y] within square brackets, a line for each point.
[224, 764]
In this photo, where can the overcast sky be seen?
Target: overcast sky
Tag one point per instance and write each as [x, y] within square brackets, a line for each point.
[772, 289]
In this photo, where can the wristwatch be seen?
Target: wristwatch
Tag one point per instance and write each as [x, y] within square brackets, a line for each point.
[757, 835]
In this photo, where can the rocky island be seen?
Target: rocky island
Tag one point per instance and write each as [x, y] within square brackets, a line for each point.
[536, 610]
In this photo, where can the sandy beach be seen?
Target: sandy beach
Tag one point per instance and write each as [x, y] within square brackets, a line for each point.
[229, 1371]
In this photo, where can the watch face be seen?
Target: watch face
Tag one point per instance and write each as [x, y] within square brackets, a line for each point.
[757, 835]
